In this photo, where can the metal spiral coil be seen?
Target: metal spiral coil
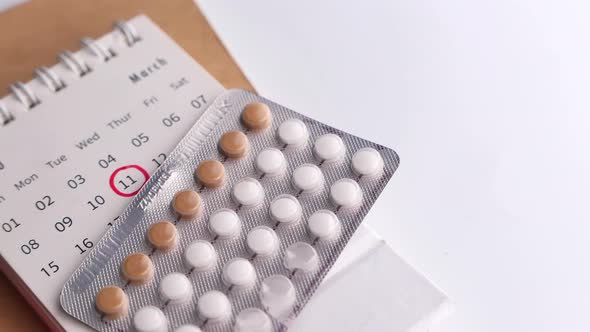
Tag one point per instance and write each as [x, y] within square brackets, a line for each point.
[5, 116]
[24, 95]
[54, 82]
[50, 79]
[128, 30]
[74, 63]
[98, 50]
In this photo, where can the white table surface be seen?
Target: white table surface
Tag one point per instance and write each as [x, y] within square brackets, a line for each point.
[488, 105]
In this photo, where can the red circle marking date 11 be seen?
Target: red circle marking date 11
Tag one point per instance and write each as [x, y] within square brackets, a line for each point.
[126, 181]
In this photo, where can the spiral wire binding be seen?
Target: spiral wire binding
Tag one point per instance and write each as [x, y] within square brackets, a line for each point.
[50, 79]
[24, 95]
[128, 30]
[5, 116]
[98, 50]
[74, 63]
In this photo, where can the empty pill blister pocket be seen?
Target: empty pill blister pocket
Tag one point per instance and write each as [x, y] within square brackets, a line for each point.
[237, 229]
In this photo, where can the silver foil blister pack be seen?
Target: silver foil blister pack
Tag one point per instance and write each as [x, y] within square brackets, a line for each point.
[263, 237]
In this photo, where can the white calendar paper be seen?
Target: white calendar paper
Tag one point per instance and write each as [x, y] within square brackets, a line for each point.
[69, 165]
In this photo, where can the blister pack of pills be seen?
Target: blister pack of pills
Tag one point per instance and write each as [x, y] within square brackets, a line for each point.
[237, 229]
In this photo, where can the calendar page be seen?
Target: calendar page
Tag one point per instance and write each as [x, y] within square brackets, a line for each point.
[71, 159]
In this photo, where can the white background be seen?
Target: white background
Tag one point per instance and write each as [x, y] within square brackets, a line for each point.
[487, 103]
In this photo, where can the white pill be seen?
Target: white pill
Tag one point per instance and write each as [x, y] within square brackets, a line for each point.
[323, 224]
[262, 241]
[367, 162]
[285, 209]
[150, 319]
[248, 192]
[188, 328]
[329, 148]
[214, 306]
[277, 296]
[176, 288]
[200, 255]
[346, 193]
[301, 256]
[308, 178]
[224, 223]
[271, 162]
[239, 272]
[293, 132]
[252, 320]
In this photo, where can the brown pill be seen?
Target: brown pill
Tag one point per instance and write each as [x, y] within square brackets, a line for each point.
[234, 144]
[256, 116]
[211, 173]
[163, 235]
[112, 302]
[187, 203]
[138, 268]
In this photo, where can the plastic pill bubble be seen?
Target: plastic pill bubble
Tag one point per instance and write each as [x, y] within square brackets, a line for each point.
[163, 235]
[137, 268]
[346, 193]
[112, 302]
[277, 296]
[188, 328]
[248, 192]
[210, 173]
[308, 178]
[271, 162]
[214, 306]
[187, 203]
[285, 209]
[234, 144]
[293, 133]
[150, 319]
[239, 272]
[256, 116]
[301, 256]
[176, 288]
[323, 224]
[253, 320]
[224, 223]
[200, 255]
[329, 148]
[367, 162]
[262, 241]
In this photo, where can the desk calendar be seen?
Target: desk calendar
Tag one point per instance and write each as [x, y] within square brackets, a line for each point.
[79, 140]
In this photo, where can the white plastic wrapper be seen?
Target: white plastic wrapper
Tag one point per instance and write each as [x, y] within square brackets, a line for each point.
[247, 246]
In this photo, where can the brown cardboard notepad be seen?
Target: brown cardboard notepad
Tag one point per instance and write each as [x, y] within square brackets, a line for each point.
[32, 34]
